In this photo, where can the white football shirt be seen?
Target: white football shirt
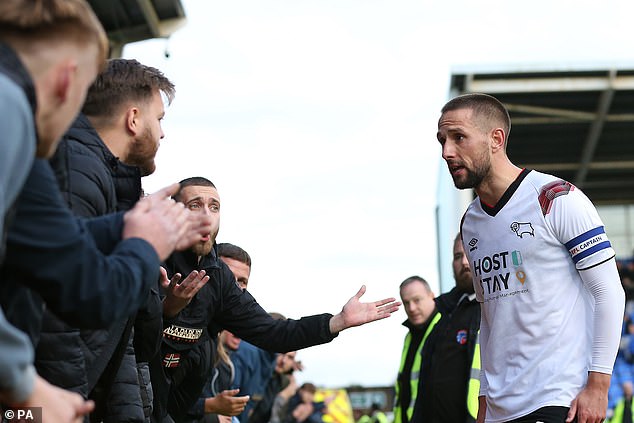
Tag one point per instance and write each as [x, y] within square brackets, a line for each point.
[537, 315]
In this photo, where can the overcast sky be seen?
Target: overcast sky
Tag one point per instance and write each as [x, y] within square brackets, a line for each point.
[316, 120]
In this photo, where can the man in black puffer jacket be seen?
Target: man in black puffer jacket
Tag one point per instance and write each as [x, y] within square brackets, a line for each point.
[99, 165]
[92, 180]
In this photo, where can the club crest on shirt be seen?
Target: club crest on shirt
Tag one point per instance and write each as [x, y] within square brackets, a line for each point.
[523, 228]
[461, 336]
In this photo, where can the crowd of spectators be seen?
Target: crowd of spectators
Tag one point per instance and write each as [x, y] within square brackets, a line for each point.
[112, 301]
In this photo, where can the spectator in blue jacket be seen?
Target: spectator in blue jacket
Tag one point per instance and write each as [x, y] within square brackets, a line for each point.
[50, 51]
[302, 407]
[27, 78]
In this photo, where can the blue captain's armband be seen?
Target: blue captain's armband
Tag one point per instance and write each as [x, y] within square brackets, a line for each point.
[588, 243]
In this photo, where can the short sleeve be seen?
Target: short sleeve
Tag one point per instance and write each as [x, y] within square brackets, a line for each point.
[576, 224]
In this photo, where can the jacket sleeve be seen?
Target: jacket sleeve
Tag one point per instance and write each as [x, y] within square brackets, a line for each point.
[242, 315]
[17, 148]
[56, 255]
[124, 402]
[17, 374]
[105, 230]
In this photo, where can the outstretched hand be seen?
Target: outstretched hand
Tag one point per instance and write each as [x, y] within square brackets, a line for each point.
[356, 313]
[180, 293]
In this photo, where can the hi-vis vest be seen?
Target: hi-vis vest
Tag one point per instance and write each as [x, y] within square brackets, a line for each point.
[379, 417]
[413, 381]
[473, 390]
[619, 411]
[474, 381]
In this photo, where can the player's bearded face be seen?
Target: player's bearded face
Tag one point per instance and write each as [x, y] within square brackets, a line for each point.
[472, 174]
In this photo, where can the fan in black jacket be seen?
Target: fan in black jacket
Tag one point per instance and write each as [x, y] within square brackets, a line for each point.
[186, 357]
[91, 362]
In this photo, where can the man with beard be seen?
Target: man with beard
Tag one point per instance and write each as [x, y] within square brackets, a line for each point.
[449, 376]
[543, 271]
[99, 164]
[221, 304]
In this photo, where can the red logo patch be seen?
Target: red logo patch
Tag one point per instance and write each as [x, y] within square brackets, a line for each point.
[171, 360]
[551, 191]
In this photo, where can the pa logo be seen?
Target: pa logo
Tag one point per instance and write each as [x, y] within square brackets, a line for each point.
[521, 229]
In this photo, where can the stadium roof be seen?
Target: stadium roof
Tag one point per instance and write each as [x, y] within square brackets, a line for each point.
[128, 21]
[575, 124]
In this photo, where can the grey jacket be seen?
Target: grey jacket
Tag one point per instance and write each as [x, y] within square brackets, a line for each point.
[17, 150]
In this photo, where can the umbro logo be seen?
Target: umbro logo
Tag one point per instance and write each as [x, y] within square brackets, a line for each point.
[473, 244]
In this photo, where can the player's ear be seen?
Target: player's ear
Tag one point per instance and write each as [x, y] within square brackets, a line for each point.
[498, 139]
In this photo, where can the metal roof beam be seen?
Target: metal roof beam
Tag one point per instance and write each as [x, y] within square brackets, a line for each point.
[550, 111]
[626, 117]
[574, 166]
[624, 182]
[151, 17]
[556, 115]
[595, 131]
[508, 85]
